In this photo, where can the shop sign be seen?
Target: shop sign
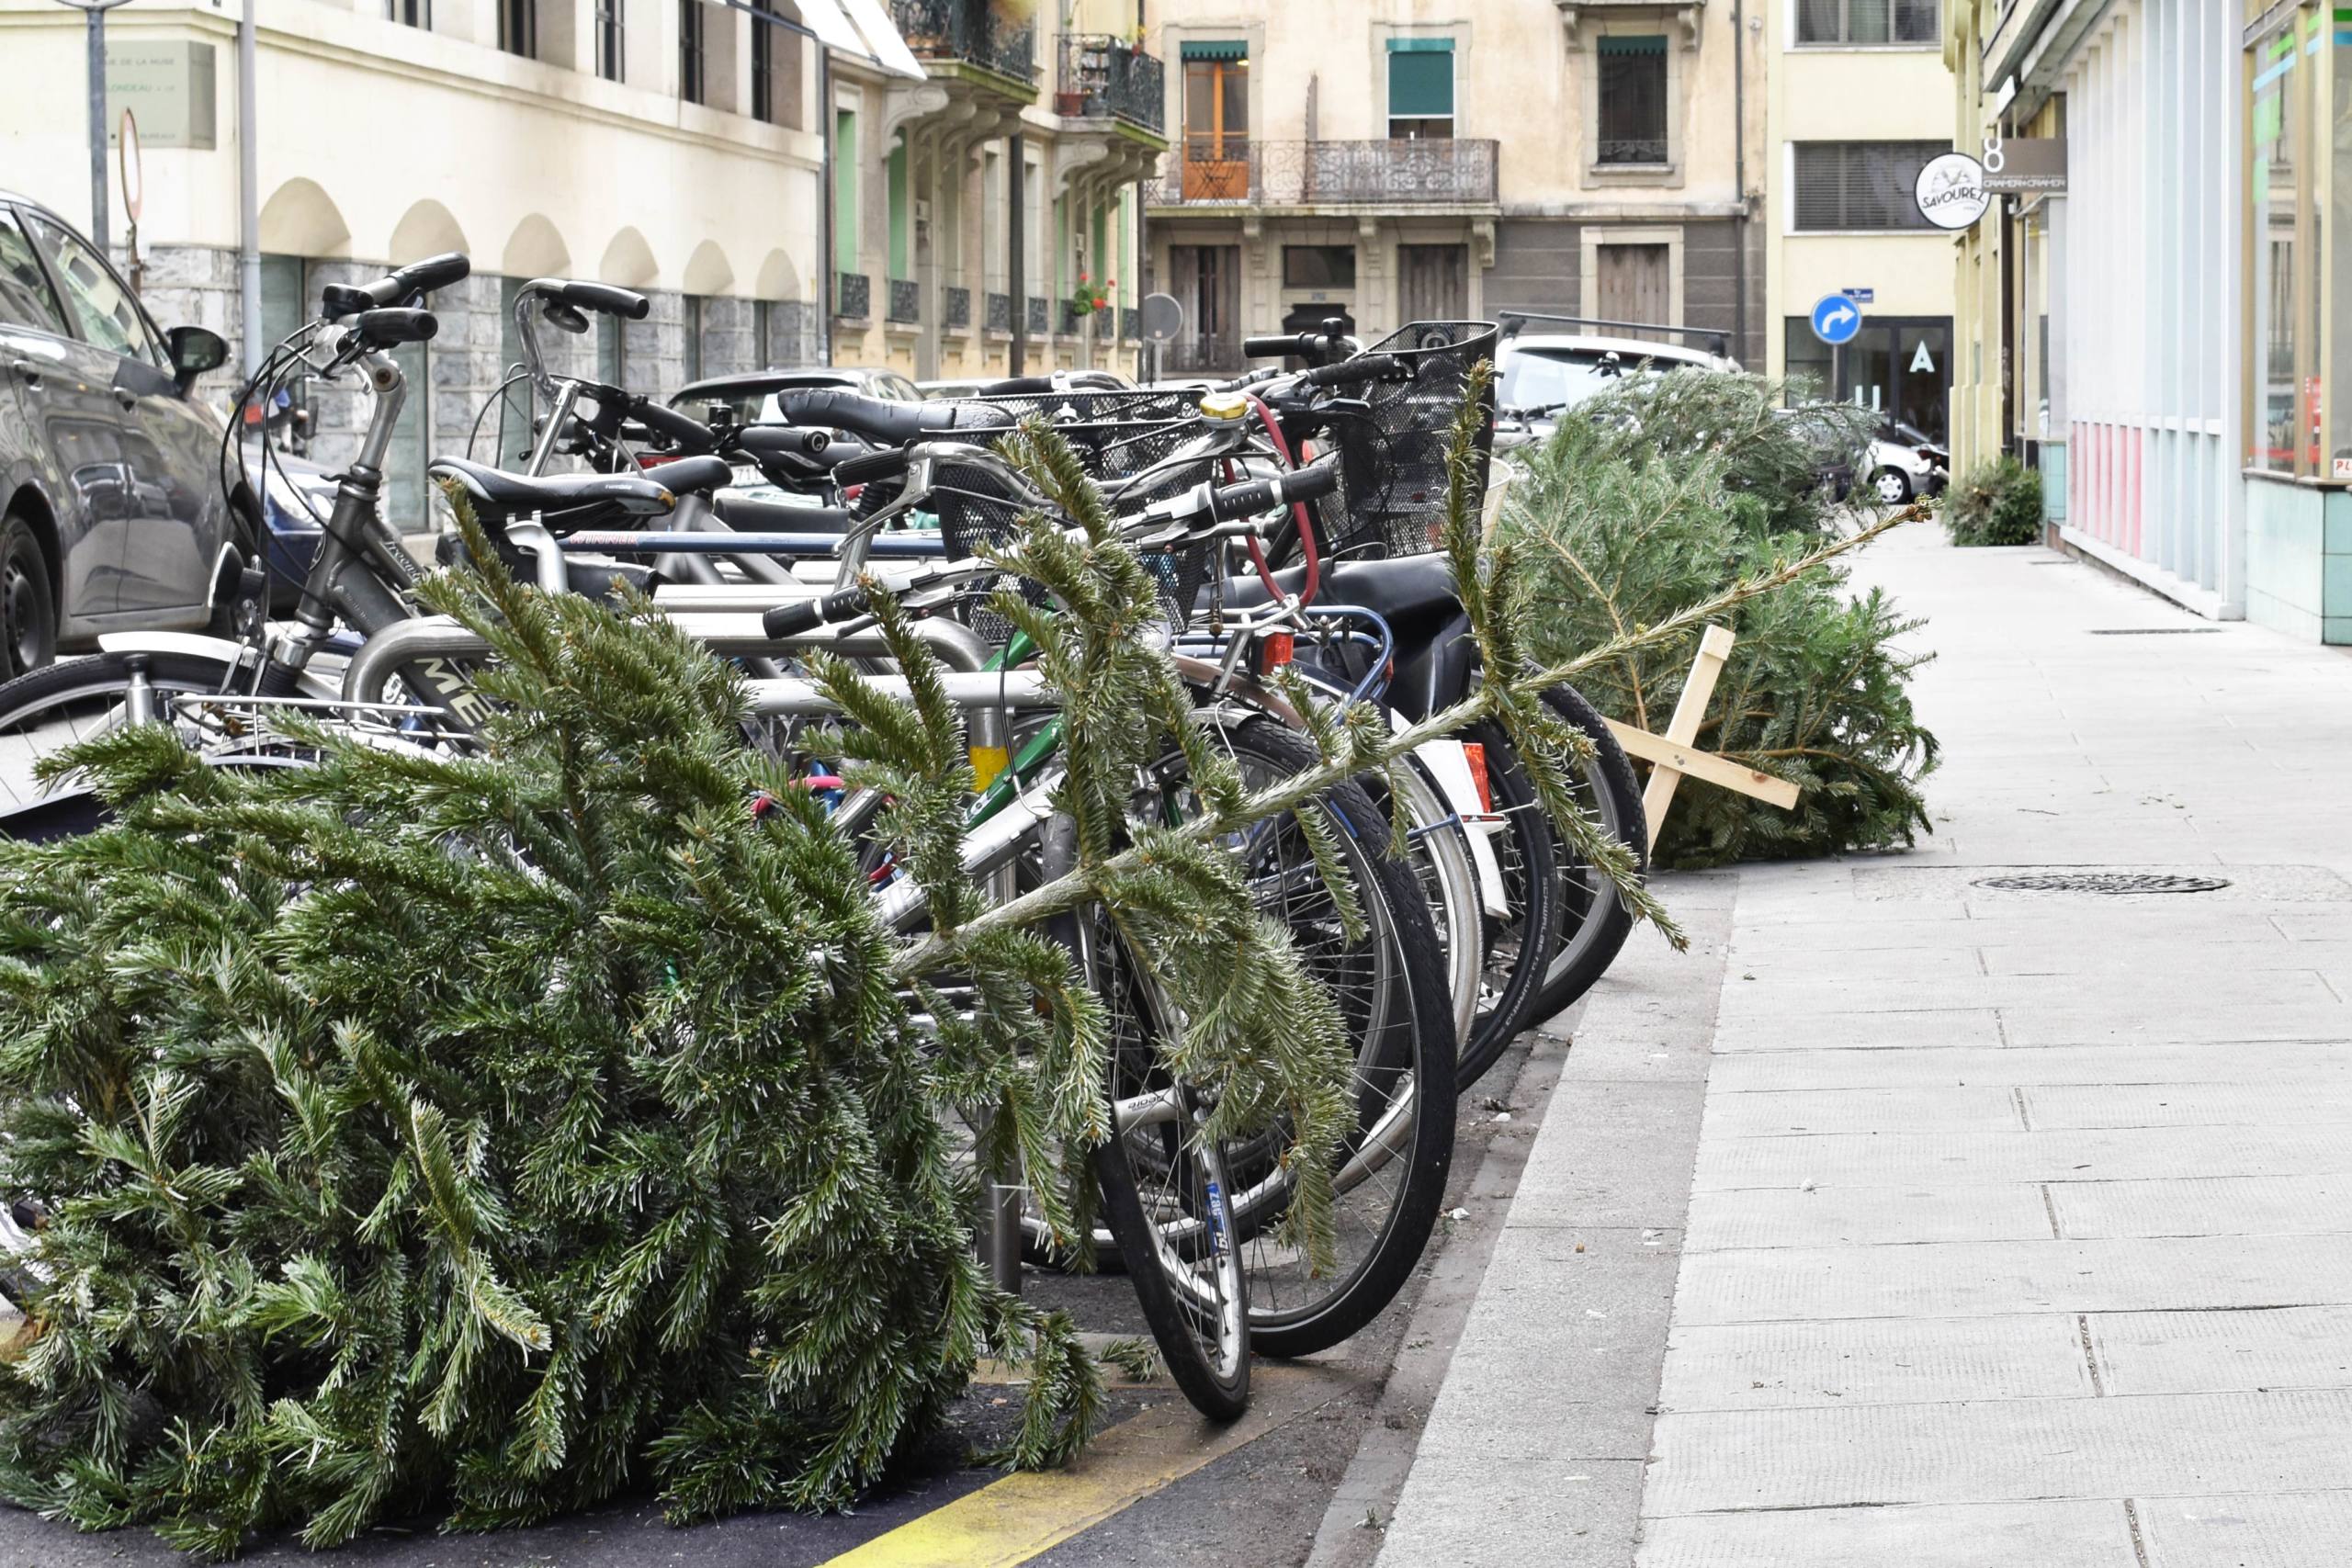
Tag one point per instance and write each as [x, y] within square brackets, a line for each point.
[1951, 191]
[2025, 166]
[170, 84]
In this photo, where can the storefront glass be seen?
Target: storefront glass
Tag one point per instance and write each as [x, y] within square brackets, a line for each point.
[1901, 366]
[2287, 362]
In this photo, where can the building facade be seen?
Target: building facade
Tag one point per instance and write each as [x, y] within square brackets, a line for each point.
[1399, 160]
[2165, 338]
[1856, 104]
[1021, 151]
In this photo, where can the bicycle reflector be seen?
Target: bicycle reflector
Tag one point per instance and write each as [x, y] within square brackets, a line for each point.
[1475, 753]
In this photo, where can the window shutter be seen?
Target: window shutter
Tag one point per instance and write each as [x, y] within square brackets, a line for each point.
[1860, 185]
[1421, 80]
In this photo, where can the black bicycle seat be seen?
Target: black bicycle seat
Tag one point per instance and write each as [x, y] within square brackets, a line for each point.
[1404, 591]
[566, 501]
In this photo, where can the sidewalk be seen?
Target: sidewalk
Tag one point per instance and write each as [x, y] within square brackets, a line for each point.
[2005, 1228]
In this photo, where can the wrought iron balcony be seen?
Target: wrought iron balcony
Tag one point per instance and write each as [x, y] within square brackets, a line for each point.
[855, 299]
[1038, 316]
[1073, 320]
[905, 301]
[1424, 172]
[969, 32]
[999, 312]
[1130, 323]
[1104, 77]
[1628, 150]
[955, 309]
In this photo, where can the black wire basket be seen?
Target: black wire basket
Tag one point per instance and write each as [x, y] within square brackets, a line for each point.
[1391, 500]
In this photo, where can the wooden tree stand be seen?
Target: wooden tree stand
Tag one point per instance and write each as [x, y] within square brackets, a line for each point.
[1671, 755]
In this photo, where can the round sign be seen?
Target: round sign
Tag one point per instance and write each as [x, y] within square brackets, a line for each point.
[1161, 317]
[132, 189]
[1951, 191]
[1836, 319]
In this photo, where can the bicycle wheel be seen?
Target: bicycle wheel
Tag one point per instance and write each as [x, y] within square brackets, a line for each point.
[1594, 921]
[1521, 939]
[1390, 1170]
[47, 710]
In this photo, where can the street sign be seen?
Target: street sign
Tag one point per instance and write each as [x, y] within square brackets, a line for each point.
[1861, 296]
[1836, 319]
[1950, 192]
[1161, 317]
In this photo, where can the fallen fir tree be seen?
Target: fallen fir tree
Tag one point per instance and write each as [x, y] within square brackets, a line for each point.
[1667, 492]
[484, 1135]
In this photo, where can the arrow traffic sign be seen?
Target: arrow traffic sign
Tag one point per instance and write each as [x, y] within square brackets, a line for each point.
[1836, 319]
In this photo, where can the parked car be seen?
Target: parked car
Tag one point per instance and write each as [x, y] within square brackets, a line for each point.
[1542, 375]
[1907, 461]
[297, 494]
[112, 510]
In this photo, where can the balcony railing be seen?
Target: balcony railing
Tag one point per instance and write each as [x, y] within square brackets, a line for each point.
[1104, 77]
[955, 309]
[969, 31]
[905, 301]
[855, 299]
[999, 318]
[1632, 150]
[1037, 316]
[1431, 170]
[1130, 323]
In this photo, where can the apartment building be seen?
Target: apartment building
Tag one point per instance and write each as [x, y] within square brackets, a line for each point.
[1402, 160]
[1857, 103]
[667, 147]
[987, 218]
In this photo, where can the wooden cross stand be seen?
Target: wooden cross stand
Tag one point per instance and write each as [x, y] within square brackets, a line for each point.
[1671, 755]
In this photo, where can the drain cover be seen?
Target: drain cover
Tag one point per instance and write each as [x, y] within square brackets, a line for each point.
[2103, 882]
[2151, 631]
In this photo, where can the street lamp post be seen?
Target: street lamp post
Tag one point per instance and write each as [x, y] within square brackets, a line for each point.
[95, 13]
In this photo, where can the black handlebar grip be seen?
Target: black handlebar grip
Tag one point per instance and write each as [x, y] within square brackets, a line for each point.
[1280, 345]
[605, 297]
[1014, 386]
[690, 434]
[1229, 502]
[395, 325]
[886, 463]
[806, 614]
[1362, 367]
[875, 418]
[778, 441]
[424, 276]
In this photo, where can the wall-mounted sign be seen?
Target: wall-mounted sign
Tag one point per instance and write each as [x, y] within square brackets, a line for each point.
[2025, 164]
[1861, 296]
[1836, 319]
[170, 84]
[1951, 191]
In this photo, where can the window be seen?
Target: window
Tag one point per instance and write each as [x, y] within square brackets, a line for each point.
[515, 404]
[1206, 280]
[1633, 101]
[410, 12]
[896, 193]
[1898, 365]
[610, 40]
[285, 305]
[109, 319]
[1318, 266]
[1420, 87]
[611, 351]
[25, 297]
[775, 68]
[1869, 21]
[1860, 185]
[2279, 213]
[1216, 121]
[694, 309]
[519, 27]
[693, 62]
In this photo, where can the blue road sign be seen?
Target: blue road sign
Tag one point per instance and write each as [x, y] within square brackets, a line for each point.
[1861, 296]
[1836, 319]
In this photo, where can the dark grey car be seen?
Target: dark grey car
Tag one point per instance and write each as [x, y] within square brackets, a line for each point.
[111, 511]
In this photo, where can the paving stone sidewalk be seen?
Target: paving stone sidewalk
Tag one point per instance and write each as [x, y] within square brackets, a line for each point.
[2007, 1227]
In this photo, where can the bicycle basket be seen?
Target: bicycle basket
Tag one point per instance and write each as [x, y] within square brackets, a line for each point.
[1391, 500]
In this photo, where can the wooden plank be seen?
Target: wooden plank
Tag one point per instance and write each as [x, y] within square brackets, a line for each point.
[1689, 713]
[1706, 766]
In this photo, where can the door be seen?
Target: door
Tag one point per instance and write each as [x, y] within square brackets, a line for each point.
[174, 508]
[1634, 285]
[74, 428]
[1432, 283]
[1217, 122]
[1207, 281]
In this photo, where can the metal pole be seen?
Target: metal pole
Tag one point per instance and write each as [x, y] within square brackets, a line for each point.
[1016, 259]
[1739, 179]
[825, 216]
[249, 191]
[95, 17]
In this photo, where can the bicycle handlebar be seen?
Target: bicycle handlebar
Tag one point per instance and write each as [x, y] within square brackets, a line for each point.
[1362, 367]
[391, 326]
[412, 281]
[806, 614]
[603, 298]
[1227, 503]
[884, 463]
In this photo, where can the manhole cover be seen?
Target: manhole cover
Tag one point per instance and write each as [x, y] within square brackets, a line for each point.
[2103, 882]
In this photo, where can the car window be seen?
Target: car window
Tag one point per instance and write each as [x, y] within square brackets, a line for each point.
[1541, 377]
[109, 318]
[899, 388]
[26, 299]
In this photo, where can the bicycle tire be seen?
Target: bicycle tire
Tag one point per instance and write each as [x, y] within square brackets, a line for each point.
[47, 709]
[1595, 919]
[1520, 944]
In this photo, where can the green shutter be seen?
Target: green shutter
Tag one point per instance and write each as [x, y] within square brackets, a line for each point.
[1214, 49]
[1420, 83]
[1617, 45]
[845, 191]
[1421, 46]
[897, 173]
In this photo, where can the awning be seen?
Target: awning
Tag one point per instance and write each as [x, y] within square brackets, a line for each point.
[882, 44]
[1215, 49]
[1421, 46]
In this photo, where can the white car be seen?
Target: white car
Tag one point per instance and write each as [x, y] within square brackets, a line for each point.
[1906, 462]
[1542, 375]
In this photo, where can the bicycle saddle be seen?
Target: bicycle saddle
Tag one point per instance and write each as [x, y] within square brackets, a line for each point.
[1405, 592]
[880, 419]
[567, 502]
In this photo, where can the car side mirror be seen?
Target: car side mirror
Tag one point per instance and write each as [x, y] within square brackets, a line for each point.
[194, 351]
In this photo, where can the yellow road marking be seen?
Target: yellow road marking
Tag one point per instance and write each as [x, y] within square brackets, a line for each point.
[1013, 1519]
